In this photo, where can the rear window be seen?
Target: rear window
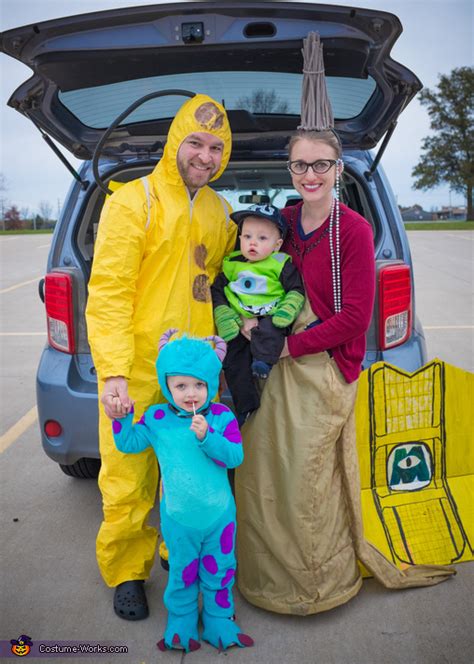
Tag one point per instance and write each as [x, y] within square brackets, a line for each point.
[258, 92]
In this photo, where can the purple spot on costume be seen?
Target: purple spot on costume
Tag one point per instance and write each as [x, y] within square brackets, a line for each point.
[142, 419]
[232, 432]
[210, 564]
[159, 414]
[227, 538]
[218, 408]
[229, 575]
[219, 463]
[211, 430]
[116, 426]
[190, 572]
[222, 598]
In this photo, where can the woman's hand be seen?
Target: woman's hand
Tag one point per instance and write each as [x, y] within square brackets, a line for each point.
[199, 426]
[285, 352]
[247, 325]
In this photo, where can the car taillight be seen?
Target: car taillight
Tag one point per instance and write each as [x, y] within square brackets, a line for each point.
[395, 308]
[59, 311]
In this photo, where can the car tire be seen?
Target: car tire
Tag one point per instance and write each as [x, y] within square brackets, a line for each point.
[83, 469]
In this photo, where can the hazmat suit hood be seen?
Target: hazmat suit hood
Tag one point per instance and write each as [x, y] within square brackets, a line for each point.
[189, 357]
[199, 114]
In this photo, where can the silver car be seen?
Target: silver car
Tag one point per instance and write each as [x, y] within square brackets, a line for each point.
[106, 86]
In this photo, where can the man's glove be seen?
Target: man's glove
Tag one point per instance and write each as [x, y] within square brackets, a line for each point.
[227, 321]
[288, 309]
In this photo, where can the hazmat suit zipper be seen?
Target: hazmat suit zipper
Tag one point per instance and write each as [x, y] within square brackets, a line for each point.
[190, 258]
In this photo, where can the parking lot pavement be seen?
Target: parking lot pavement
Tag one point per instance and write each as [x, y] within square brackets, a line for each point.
[51, 588]
[444, 287]
[22, 322]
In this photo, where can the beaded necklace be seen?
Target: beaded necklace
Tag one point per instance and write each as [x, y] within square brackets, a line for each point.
[301, 253]
[334, 239]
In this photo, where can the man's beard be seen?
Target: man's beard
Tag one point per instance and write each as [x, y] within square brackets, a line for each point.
[195, 181]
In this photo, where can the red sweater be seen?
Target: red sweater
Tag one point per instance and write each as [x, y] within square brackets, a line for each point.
[344, 333]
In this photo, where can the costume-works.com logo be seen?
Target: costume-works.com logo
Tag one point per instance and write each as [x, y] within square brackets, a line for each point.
[21, 646]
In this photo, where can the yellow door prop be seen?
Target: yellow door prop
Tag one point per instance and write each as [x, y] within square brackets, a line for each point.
[416, 452]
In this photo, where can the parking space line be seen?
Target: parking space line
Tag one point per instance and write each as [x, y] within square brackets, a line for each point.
[463, 237]
[448, 327]
[22, 334]
[43, 246]
[18, 429]
[23, 283]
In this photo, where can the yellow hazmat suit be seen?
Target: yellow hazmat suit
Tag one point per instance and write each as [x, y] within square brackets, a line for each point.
[154, 260]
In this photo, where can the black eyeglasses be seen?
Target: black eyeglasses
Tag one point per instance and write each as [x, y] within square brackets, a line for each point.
[320, 166]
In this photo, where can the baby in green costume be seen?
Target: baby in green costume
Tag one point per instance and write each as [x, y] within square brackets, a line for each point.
[259, 293]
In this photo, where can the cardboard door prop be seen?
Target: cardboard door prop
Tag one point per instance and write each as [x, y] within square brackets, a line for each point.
[416, 451]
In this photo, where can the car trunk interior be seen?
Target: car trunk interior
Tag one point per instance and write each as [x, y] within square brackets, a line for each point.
[240, 184]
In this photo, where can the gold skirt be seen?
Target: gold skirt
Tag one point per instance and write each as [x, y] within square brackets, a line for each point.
[300, 533]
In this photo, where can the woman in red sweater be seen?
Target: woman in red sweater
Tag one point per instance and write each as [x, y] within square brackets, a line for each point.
[300, 529]
[342, 302]
[295, 542]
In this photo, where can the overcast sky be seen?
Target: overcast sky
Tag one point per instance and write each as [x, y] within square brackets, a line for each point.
[437, 36]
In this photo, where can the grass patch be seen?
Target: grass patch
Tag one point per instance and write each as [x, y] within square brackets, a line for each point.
[439, 225]
[24, 231]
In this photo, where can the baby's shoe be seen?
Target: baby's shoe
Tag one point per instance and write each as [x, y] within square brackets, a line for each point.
[260, 369]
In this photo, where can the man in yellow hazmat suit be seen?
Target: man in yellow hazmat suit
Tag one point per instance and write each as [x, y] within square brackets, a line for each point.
[160, 244]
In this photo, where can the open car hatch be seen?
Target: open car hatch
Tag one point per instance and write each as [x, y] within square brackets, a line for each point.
[87, 69]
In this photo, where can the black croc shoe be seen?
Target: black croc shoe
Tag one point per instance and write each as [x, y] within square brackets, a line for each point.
[130, 601]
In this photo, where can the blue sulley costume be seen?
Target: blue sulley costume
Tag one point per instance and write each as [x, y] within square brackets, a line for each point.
[197, 508]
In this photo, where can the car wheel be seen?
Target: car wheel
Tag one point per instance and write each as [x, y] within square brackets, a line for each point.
[83, 469]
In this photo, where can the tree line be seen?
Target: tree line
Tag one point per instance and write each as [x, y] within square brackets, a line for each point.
[447, 155]
[13, 218]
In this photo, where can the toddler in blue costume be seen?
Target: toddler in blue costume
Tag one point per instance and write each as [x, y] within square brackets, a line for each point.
[195, 441]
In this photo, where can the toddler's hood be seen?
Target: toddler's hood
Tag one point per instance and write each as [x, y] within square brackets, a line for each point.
[189, 357]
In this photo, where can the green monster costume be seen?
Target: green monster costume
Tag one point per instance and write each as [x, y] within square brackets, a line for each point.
[270, 290]
[254, 289]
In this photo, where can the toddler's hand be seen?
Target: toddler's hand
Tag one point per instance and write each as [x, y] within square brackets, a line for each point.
[227, 322]
[118, 407]
[199, 426]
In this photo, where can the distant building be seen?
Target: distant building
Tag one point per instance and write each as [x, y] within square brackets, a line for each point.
[415, 213]
[450, 212]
